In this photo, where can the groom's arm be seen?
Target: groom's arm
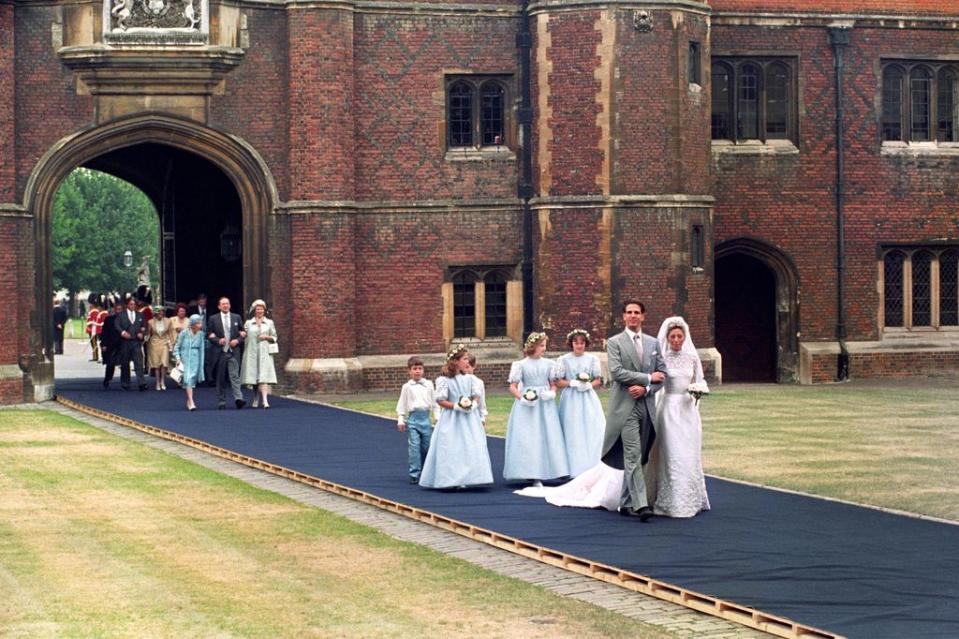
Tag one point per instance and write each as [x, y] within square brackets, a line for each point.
[620, 373]
[659, 365]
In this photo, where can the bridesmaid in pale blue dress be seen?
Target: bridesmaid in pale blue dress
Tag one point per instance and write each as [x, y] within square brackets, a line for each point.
[580, 411]
[534, 438]
[458, 456]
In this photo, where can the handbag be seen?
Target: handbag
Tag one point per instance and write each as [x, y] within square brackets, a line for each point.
[272, 348]
[176, 373]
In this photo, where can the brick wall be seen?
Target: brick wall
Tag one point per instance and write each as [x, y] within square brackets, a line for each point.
[7, 93]
[898, 7]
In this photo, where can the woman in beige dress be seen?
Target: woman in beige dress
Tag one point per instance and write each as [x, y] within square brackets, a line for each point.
[161, 341]
[179, 320]
[257, 369]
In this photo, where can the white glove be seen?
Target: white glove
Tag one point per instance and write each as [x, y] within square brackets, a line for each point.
[460, 409]
[526, 402]
[547, 395]
[583, 386]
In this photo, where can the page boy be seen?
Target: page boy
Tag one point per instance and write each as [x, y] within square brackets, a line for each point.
[413, 416]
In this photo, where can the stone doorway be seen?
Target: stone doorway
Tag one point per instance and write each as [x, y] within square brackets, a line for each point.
[214, 195]
[757, 311]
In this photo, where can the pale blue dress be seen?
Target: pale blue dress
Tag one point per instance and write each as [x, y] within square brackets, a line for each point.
[534, 437]
[581, 413]
[189, 350]
[458, 455]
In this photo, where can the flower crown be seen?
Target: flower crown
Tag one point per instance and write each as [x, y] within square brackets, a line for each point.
[533, 338]
[456, 352]
[578, 332]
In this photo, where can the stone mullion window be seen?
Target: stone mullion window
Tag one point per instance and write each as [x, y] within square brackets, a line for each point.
[920, 288]
[482, 302]
[920, 102]
[753, 99]
[477, 113]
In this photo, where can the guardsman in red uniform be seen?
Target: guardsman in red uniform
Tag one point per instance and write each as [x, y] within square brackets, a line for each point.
[93, 318]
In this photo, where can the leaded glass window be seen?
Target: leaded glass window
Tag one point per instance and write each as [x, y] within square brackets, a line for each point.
[893, 288]
[920, 101]
[464, 304]
[892, 103]
[922, 289]
[920, 83]
[949, 288]
[477, 111]
[753, 99]
[460, 115]
[495, 304]
[946, 106]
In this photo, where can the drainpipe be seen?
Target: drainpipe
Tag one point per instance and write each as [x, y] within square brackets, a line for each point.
[524, 44]
[839, 39]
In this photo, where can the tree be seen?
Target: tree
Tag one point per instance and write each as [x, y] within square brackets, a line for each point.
[96, 217]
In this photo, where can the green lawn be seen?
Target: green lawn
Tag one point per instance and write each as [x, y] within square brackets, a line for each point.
[890, 444]
[103, 537]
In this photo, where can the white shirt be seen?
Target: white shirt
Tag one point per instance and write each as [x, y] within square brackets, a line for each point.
[132, 315]
[414, 396]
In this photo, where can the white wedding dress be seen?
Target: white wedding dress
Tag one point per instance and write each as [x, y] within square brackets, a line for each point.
[679, 485]
[599, 487]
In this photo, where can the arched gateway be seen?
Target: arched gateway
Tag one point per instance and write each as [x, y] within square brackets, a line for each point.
[130, 148]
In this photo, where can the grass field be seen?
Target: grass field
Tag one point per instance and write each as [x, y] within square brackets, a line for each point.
[103, 537]
[890, 444]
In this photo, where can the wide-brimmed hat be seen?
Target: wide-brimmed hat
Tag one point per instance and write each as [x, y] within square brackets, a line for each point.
[257, 303]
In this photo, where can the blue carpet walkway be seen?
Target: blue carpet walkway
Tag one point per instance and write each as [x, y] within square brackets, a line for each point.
[849, 570]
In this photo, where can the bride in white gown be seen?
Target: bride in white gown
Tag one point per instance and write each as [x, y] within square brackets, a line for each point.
[675, 472]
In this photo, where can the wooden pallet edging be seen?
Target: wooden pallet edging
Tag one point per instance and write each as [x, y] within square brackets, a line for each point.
[700, 602]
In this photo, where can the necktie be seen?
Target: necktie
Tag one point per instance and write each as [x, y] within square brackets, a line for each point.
[226, 333]
[638, 343]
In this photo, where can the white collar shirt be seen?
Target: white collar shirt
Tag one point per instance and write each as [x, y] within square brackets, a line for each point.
[415, 396]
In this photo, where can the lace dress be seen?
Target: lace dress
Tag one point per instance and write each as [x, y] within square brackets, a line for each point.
[680, 485]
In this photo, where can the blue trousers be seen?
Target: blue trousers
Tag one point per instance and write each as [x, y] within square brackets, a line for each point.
[418, 431]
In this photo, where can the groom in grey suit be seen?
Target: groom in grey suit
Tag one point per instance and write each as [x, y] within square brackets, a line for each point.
[637, 370]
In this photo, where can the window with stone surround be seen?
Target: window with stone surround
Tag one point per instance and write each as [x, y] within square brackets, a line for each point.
[920, 287]
[919, 102]
[753, 99]
[482, 302]
[477, 112]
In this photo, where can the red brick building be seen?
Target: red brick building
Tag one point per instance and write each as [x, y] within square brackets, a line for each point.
[394, 176]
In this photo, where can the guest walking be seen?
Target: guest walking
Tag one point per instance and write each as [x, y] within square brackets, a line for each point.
[132, 328]
[180, 320]
[225, 333]
[159, 345]
[110, 342]
[59, 322]
[188, 352]
[259, 346]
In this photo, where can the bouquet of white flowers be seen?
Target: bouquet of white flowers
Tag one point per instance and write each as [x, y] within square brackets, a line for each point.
[530, 395]
[465, 403]
[697, 390]
[584, 377]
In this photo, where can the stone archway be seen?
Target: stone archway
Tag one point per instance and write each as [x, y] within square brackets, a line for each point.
[759, 285]
[242, 166]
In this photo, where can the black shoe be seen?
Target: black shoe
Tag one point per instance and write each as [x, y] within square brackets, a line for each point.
[124, 387]
[143, 387]
[240, 403]
[414, 480]
[220, 406]
[644, 514]
[106, 385]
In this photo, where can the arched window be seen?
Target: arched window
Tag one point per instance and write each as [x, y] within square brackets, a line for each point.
[777, 101]
[922, 288]
[893, 287]
[721, 101]
[464, 304]
[892, 79]
[477, 111]
[460, 114]
[949, 288]
[946, 106]
[492, 118]
[495, 285]
[753, 99]
[747, 102]
[920, 111]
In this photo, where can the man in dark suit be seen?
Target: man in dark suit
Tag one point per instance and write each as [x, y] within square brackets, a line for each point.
[59, 322]
[132, 328]
[225, 332]
[110, 344]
